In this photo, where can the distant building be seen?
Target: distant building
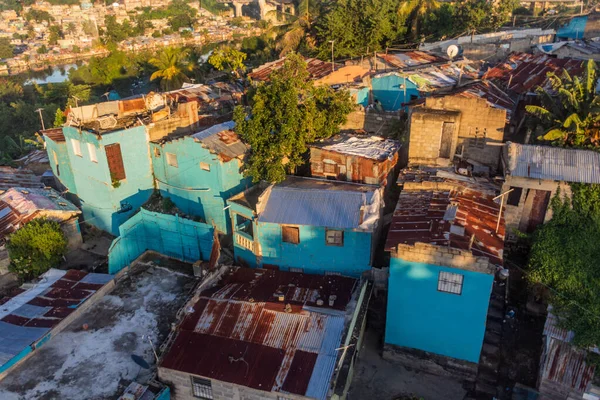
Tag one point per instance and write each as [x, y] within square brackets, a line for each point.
[578, 49]
[446, 241]
[307, 225]
[355, 158]
[457, 126]
[284, 335]
[199, 172]
[535, 173]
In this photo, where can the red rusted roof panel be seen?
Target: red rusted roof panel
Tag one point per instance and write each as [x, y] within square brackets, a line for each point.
[316, 68]
[300, 372]
[54, 134]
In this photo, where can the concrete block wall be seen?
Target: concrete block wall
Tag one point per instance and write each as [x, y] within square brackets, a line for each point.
[426, 135]
[181, 386]
[383, 124]
[443, 256]
[477, 116]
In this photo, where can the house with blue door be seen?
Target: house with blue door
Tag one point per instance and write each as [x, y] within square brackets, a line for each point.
[307, 225]
[102, 154]
[199, 172]
[446, 241]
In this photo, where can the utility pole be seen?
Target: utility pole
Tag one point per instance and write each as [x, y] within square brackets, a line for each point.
[39, 111]
[501, 197]
[332, 65]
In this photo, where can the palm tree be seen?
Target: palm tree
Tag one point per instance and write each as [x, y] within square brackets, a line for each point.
[415, 11]
[172, 63]
[570, 113]
[300, 30]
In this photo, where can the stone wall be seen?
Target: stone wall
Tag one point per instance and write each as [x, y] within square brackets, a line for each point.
[443, 256]
[181, 388]
[481, 130]
[426, 134]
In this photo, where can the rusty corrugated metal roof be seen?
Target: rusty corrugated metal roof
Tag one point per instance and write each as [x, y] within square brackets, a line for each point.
[54, 134]
[409, 59]
[551, 329]
[448, 216]
[13, 177]
[316, 68]
[9, 220]
[240, 332]
[27, 201]
[523, 72]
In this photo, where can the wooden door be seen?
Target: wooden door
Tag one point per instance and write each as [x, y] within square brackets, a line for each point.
[446, 142]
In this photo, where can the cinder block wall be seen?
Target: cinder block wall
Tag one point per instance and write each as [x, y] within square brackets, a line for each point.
[444, 256]
[477, 118]
[426, 135]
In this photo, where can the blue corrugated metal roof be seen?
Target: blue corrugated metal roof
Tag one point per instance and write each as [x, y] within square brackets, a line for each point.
[553, 163]
[315, 207]
[225, 126]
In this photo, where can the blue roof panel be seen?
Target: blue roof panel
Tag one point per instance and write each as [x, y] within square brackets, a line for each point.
[329, 208]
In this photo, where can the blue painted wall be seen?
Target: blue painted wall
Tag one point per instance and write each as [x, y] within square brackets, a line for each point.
[171, 235]
[196, 191]
[390, 93]
[575, 29]
[62, 170]
[311, 254]
[100, 201]
[361, 95]
[421, 317]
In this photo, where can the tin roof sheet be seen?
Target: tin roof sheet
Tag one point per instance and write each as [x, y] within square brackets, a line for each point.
[410, 59]
[27, 201]
[239, 332]
[54, 134]
[316, 68]
[523, 72]
[551, 329]
[221, 140]
[372, 147]
[13, 177]
[553, 163]
[9, 220]
[448, 216]
[27, 315]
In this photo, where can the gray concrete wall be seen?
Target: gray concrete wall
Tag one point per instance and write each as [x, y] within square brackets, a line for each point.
[425, 128]
[380, 123]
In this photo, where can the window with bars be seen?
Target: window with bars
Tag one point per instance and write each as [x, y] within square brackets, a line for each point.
[290, 234]
[202, 388]
[334, 237]
[172, 160]
[449, 282]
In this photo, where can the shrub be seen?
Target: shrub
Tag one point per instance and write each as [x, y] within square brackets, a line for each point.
[36, 247]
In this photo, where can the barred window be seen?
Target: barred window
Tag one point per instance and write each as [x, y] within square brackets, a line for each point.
[334, 237]
[202, 388]
[450, 283]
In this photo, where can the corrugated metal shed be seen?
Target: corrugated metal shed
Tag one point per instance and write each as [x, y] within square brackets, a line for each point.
[553, 163]
[565, 365]
[240, 332]
[367, 146]
[333, 209]
[552, 330]
[13, 177]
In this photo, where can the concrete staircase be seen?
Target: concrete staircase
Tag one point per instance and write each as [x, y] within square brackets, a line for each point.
[486, 382]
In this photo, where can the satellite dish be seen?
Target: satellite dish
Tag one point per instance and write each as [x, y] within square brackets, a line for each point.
[140, 361]
[452, 51]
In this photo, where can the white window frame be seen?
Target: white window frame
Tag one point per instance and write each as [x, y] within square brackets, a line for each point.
[92, 150]
[449, 282]
[337, 240]
[204, 166]
[76, 145]
[172, 159]
[202, 388]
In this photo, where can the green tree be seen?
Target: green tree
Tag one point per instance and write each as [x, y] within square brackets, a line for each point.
[286, 114]
[571, 115]
[38, 16]
[10, 90]
[55, 33]
[181, 15]
[6, 49]
[228, 58]
[565, 256]
[42, 49]
[171, 64]
[59, 118]
[415, 11]
[35, 248]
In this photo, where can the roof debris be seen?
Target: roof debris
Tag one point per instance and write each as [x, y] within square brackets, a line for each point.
[372, 147]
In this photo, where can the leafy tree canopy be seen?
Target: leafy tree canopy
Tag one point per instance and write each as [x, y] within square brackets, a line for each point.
[6, 49]
[287, 113]
[571, 117]
[566, 257]
[171, 64]
[35, 248]
[228, 58]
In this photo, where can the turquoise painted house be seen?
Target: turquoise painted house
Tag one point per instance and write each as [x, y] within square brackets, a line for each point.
[102, 155]
[391, 90]
[307, 225]
[199, 172]
[445, 251]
